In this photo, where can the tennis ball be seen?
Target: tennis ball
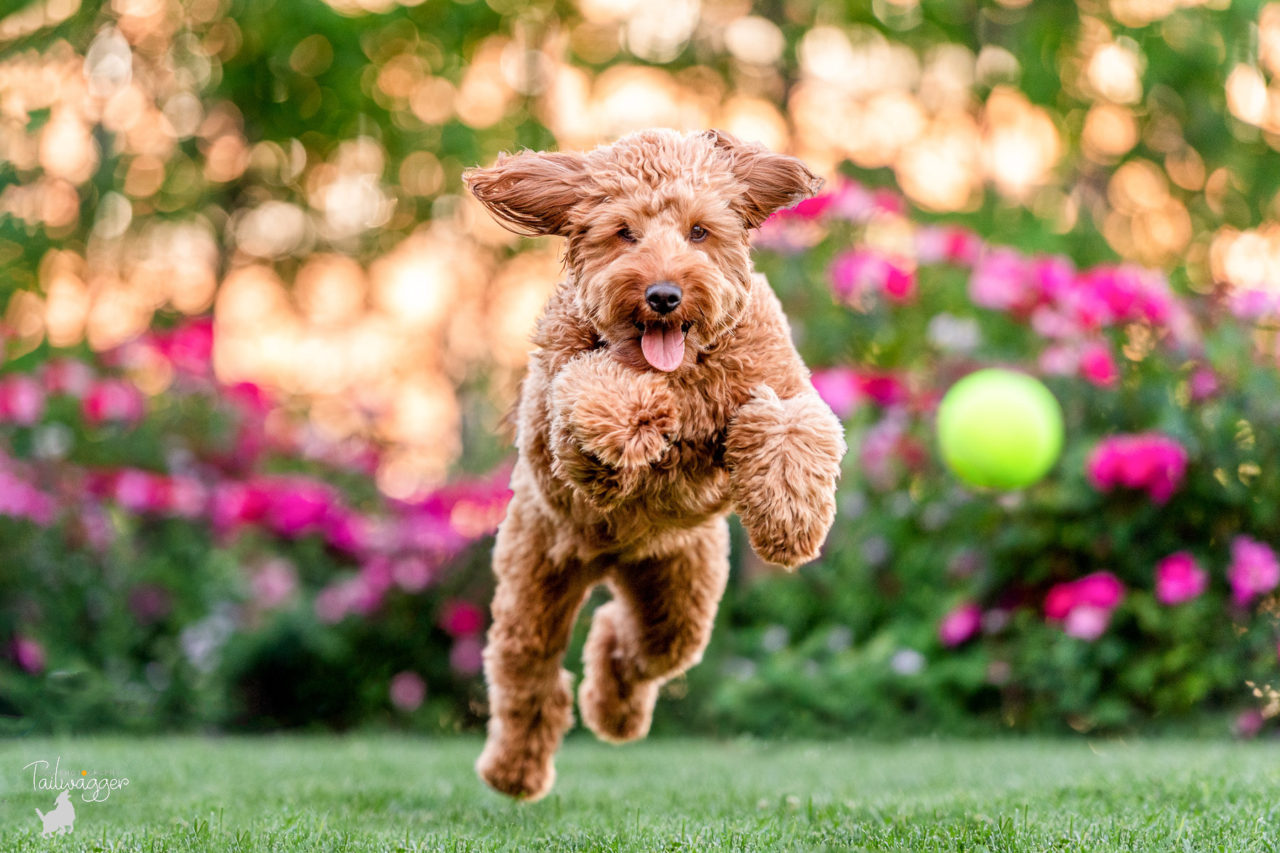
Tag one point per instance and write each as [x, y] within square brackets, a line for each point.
[999, 429]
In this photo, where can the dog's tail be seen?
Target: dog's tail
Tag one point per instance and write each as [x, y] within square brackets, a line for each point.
[40, 814]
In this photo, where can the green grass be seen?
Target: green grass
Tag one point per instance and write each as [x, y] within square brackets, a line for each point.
[393, 793]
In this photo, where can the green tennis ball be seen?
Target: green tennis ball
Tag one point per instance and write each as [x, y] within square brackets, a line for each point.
[1000, 430]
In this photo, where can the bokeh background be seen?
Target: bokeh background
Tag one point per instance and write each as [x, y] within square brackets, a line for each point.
[257, 343]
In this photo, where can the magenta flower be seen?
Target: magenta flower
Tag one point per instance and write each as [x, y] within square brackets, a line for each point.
[346, 529]
[839, 388]
[461, 618]
[812, 208]
[28, 654]
[188, 347]
[1152, 462]
[112, 400]
[1202, 384]
[408, 691]
[1254, 570]
[1084, 605]
[1179, 578]
[960, 624]
[1098, 366]
[298, 506]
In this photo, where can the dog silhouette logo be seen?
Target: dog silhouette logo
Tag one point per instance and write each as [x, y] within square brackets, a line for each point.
[61, 819]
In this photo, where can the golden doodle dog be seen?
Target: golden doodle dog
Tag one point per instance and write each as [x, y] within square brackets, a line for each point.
[663, 393]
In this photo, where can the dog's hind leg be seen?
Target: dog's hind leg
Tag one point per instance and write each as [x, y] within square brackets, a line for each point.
[530, 695]
[656, 627]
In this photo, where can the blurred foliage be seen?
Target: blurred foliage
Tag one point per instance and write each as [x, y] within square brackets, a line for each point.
[291, 170]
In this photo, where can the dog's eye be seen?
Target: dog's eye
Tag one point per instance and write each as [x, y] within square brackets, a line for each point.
[697, 233]
[625, 234]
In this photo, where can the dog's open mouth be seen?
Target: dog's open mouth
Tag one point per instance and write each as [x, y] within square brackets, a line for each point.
[663, 345]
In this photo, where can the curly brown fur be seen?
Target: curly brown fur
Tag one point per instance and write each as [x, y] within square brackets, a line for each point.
[638, 430]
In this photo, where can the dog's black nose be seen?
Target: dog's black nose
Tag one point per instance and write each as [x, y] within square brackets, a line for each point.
[663, 297]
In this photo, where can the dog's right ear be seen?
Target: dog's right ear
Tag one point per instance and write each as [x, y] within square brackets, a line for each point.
[531, 193]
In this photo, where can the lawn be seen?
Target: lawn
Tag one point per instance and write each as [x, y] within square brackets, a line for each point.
[403, 793]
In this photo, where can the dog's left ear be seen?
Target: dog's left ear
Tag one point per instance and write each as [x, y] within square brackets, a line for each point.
[770, 181]
[531, 193]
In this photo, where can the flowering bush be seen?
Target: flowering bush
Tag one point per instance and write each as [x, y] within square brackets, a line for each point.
[198, 556]
[1132, 585]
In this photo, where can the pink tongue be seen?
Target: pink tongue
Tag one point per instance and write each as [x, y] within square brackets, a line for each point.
[663, 348]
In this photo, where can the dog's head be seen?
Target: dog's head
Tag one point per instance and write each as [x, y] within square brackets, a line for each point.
[63, 798]
[657, 226]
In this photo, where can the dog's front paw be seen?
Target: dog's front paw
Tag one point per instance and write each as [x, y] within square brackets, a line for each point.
[616, 416]
[784, 460]
[631, 429]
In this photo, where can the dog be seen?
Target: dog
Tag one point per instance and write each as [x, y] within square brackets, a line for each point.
[664, 392]
[61, 819]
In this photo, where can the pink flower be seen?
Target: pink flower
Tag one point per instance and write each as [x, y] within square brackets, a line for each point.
[235, 505]
[1001, 282]
[412, 574]
[21, 399]
[467, 656]
[1086, 622]
[28, 654]
[407, 691]
[878, 455]
[1179, 579]
[948, 244]
[335, 601]
[1059, 360]
[274, 583]
[461, 618]
[138, 491]
[1084, 605]
[1249, 723]
[20, 499]
[853, 202]
[1253, 304]
[1202, 384]
[1152, 462]
[67, 376]
[839, 388]
[185, 497]
[112, 400]
[960, 624]
[861, 275]
[1253, 571]
[1097, 365]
